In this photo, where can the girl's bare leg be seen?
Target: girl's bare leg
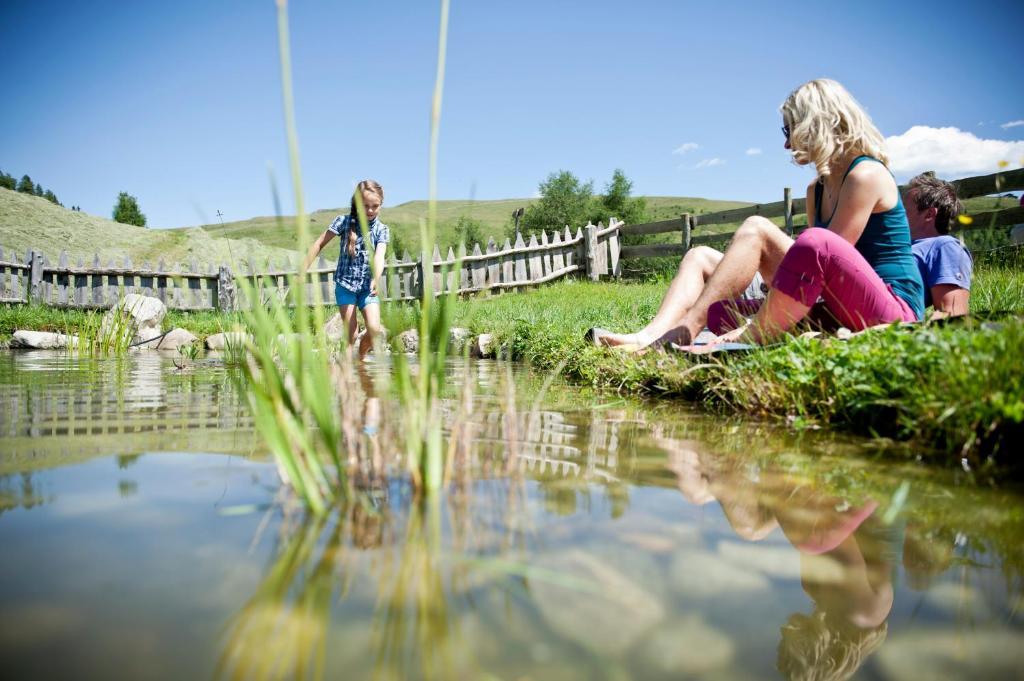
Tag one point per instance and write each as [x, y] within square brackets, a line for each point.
[348, 316]
[371, 315]
[757, 246]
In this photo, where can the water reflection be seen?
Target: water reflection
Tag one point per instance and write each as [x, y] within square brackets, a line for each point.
[580, 536]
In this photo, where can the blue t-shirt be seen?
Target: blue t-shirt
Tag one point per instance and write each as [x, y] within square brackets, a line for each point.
[353, 272]
[942, 260]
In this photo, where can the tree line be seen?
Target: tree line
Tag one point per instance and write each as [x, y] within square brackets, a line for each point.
[26, 186]
[126, 210]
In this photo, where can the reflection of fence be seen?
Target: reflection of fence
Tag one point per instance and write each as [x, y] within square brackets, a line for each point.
[967, 188]
[593, 251]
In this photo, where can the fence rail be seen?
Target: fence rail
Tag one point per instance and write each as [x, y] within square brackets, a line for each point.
[968, 187]
[593, 250]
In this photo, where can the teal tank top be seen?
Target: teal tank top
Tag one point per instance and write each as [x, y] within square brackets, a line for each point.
[885, 244]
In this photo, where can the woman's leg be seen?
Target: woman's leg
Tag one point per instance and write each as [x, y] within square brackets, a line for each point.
[757, 246]
[348, 317]
[371, 315]
[696, 266]
[822, 263]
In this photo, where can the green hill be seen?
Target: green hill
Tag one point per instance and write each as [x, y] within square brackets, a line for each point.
[404, 220]
[31, 222]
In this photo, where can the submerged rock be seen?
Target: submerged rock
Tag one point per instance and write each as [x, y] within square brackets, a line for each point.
[220, 341]
[43, 340]
[701, 575]
[688, 648]
[334, 329]
[597, 606]
[135, 318]
[176, 338]
[975, 653]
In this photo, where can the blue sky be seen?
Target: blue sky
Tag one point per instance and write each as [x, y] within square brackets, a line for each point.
[179, 103]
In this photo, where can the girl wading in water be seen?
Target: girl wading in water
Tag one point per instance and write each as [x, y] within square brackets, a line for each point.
[359, 264]
[856, 257]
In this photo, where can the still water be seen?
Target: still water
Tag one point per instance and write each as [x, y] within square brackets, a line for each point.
[144, 534]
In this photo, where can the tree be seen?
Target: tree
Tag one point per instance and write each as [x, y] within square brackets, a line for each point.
[26, 185]
[564, 200]
[469, 231]
[51, 197]
[127, 212]
[39, 189]
[7, 181]
[617, 202]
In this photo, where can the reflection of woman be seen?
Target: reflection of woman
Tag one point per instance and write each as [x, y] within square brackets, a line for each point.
[845, 566]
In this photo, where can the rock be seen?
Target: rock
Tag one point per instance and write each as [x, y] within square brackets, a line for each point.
[969, 652]
[409, 341]
[42, 340]
[136, 318]
[482, 346]
[175, 339]
[220, 341]
[688, 648]
[608, 612]
[702, 576]
[457, 339]
[778, 562]
[334, 329]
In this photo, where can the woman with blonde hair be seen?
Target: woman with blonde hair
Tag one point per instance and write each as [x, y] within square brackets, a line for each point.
[856, 255]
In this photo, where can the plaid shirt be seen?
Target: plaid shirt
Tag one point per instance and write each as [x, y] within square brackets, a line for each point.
[353, 271]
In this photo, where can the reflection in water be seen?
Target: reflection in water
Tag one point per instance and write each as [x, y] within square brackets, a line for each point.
[560, 549]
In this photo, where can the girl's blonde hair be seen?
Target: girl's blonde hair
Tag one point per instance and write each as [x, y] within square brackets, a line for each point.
[826, 123]
[371, 187]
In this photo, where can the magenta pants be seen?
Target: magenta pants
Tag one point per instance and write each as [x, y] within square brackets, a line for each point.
[823, 264]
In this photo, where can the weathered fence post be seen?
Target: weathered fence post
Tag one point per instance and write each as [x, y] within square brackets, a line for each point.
[225, 289]
[687, 231]
[419, 276]
[787, 207]
[590, 251]
[35, 277]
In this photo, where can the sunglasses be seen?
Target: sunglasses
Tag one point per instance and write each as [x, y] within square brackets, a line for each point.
[785, 131]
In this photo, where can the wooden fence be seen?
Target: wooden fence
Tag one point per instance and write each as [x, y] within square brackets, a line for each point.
[685, 225]
[593, 251]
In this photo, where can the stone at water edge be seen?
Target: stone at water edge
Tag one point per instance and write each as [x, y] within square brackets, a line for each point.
[219, 341]
[140, 318]
[175, 339]
[482, 346]
[42, 340]
[408, 341]
[457, 338]
[334, 329]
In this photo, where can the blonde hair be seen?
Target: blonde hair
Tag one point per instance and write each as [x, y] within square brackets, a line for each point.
[826, 123]
[366, 186]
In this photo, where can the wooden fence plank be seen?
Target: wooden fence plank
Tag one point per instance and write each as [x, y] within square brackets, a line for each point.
[545, 256]
[493, 265]
[61, 280]
[507, 264]
[464, 268]
[478, 270]
[435, 268]
[614, 264]
[557, 257]
[536, 265]
[521, 275]
[452, 277]
[407, 290]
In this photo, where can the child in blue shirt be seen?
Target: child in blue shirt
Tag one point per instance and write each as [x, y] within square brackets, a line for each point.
[359, 265]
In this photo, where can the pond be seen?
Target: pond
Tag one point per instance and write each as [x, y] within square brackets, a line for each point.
[145, 535]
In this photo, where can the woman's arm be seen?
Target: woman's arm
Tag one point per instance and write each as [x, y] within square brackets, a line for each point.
[317, 246]
[868, 188]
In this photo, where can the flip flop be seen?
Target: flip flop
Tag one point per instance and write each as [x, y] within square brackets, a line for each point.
[593, 336]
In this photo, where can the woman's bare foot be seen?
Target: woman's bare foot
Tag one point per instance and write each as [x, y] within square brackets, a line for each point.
[614, 340]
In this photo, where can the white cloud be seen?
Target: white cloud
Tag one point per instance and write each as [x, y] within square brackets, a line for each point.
[949, 151]
[1012, 124]
[709, 162]
[683, 148]
[754, 151]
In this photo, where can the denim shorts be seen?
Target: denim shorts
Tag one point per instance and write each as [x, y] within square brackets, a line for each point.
[345, 297]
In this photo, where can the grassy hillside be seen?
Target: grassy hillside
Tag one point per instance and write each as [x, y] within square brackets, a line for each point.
[33, 222]
[404, 220]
